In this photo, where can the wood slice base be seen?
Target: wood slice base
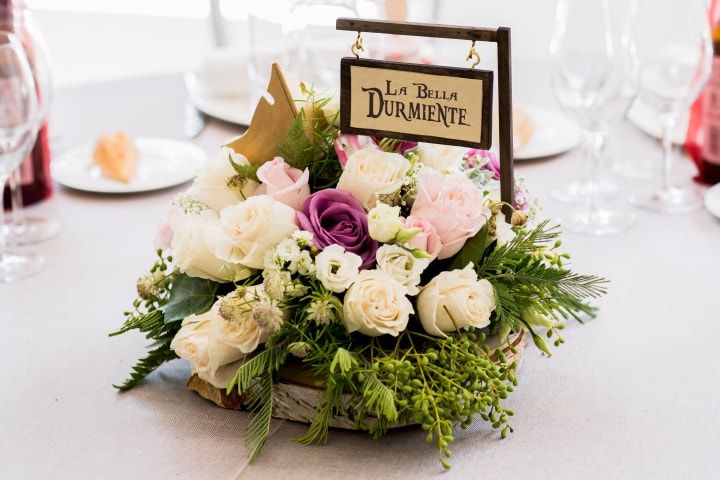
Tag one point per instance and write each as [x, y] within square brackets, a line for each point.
[296, 401]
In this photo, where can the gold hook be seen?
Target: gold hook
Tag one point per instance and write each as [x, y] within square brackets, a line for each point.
[357, 46]
[473, 53]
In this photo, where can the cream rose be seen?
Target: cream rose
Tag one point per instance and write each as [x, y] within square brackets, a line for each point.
[211, 185]
[282, 182]
[370, 172]
[234, 324]
[376, 305]
[384, 222]
[211, 359]
[189, 246]
[402, 265]
[454, 300]
[443, 158]
[336, 268]
[251, 228]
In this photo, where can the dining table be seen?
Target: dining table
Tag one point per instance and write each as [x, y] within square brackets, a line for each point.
[633, 393]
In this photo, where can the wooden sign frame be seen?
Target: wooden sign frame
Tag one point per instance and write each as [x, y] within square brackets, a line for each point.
[486, 76]
[501, 37]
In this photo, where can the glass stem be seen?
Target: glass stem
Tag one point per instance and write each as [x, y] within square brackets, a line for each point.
[595, 143]
[668, 121]
[17, 219]
[3, 181]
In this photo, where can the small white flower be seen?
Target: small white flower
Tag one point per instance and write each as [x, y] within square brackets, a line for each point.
[384, 222]
[402, 265]
[276, 283]
[336, 268]
[303, 238]
[321, 312]
[287, 250]
[267, 315]
[303, 264]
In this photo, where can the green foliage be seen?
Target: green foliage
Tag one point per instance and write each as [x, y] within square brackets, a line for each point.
[525, 281]
[379, 398]
[147, 364]
[343, 361]
[189, 296]
[148, 318]
[266, 362]
[244, 171]
[308, 143]
[261, 404]
[473, 251]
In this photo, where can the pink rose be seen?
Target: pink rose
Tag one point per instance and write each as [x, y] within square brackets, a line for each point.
[283, 183]
[454, 206]
[346, 144]
[427, 239]
[164, 235]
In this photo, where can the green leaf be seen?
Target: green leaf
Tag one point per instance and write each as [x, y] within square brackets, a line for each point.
[147, 365]
[189, 296]
[473, 251]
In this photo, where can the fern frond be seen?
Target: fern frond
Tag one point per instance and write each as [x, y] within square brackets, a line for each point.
[266, 362]
[379, 398]
[343, 360]
[261, 405]
[146, 365]
[320, 426]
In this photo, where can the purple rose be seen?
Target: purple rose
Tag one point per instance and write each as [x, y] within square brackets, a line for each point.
[334, 217]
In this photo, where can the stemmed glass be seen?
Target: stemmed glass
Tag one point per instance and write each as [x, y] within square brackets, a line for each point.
[18, 123]
[595, 78]
[675, 50]
[22, 228]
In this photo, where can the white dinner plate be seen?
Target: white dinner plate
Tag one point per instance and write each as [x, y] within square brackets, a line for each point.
[552, 134]
[712, 200]
[647, 120]
[233, 109]
[161, 164]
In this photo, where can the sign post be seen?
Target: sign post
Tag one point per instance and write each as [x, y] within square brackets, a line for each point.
[435, 104]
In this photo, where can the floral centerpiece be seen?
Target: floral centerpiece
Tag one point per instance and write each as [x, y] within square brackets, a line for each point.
[384, 270]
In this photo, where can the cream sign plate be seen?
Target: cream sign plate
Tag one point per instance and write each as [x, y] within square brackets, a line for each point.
[417, 102]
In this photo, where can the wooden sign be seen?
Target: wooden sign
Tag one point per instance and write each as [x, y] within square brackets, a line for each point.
[417, 102]
[430, 103]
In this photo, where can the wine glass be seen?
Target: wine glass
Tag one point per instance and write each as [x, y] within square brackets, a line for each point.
[22, 228]
[595, 77]
[18, 124]
[675, 51]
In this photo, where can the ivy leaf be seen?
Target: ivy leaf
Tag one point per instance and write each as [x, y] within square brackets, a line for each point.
[189, 296]
[473, 251]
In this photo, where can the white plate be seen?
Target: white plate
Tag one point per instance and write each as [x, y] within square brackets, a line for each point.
[553, 134]
[712, 200]
[235, 109]
[647, 120]
[162, 164]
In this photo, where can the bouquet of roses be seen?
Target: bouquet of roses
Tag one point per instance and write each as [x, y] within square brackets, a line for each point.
[380, 267]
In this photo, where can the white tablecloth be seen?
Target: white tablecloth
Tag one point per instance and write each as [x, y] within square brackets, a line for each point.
[633, 394]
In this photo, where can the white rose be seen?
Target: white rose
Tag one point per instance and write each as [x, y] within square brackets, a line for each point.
[402, 265]
[212, 360]
[443, 158]
[251, 228]
[370, 172]
[190, 248]
[454, 300]
[376, 305]
[336, 268]
[384, 222]
[211, 185]
[233, 323]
